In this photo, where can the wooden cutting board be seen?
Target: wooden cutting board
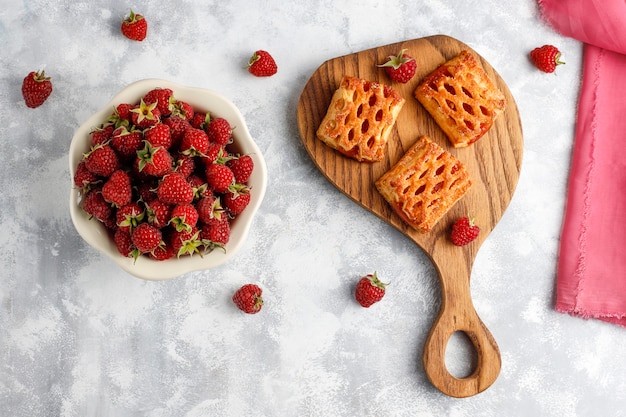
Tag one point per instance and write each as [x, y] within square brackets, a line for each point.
[493, 162]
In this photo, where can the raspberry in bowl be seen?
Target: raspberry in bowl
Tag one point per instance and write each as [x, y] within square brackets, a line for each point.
[166, 179]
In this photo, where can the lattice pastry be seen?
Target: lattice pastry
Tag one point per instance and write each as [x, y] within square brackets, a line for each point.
[424, 184]
[461, 98]
[359, 119]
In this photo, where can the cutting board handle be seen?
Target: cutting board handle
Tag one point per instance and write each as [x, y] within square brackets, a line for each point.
[458, 314]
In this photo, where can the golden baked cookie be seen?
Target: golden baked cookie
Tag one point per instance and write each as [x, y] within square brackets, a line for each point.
[424, 184]
[461, 98]
[359, 119]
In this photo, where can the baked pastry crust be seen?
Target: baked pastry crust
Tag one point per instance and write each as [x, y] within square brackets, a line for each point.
[424, 184]
[360, 118]
[461, 98]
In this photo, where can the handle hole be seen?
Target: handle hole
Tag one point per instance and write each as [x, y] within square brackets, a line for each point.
[461, 357]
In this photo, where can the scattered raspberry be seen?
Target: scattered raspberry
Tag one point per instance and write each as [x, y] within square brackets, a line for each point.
[369, 290]
[135, 27]
[249, 298]
[400, 68]
[546, 58]
[464, 231]
[36, 88]
[262, 64]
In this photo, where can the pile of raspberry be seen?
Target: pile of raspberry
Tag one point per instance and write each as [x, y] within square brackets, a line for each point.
[163, 178]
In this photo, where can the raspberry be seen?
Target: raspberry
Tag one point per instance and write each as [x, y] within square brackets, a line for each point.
[249, 298]
[546, 58]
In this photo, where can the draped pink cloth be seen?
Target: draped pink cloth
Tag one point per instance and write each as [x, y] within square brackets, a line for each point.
[591, 275]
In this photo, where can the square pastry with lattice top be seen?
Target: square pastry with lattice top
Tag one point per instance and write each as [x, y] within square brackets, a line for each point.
[424, 184]
[360, 118]
[461, 98]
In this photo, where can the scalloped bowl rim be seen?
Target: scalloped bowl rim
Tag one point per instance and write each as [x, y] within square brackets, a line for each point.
[203, 99]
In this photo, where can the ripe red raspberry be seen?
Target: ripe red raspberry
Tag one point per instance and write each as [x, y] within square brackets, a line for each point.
[124, 243]
[184, 165]
[186, 242]
[121, 114]
[400, 68]
[36, 88]
[464, 231]
[158, 213]
[162, 253]
[83, 178]
[262, 64]
[159, 135]
[101, 135]
[95, 205]
[242, 168]
[126, 142]
[216, 232]
[117, 190]
[237, 201]
[174, 189]
[195, 142]
[546, 58]
[135, 27]
[177, 126]
[209, 208]
[200, 120]
[369, 290]
[129, 216]
[182, 109]
[249, 298]
[145, 115]
[154, 161]
[163, 98]
[219, 177]
[219, 131]
[215, 153]
[146, 238]
[184, 217]
[102, 160]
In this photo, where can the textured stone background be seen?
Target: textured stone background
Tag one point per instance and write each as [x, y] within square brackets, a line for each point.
[79, 337]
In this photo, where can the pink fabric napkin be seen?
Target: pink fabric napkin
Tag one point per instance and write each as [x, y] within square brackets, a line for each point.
[591, 275]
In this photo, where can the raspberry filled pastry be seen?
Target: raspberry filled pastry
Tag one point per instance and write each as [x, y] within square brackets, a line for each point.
[461, 98]
[424, 184]
[360, 118]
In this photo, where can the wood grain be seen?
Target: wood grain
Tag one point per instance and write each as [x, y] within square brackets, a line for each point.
[493, 162]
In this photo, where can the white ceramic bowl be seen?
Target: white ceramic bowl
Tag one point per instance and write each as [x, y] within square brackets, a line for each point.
[94, 233]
